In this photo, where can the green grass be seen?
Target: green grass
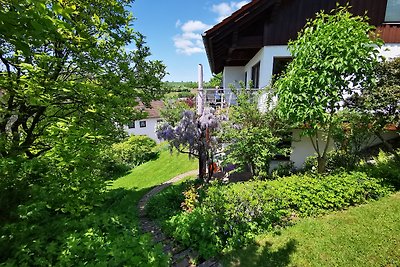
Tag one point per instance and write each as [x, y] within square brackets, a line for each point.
[156, 172]
[368, 235]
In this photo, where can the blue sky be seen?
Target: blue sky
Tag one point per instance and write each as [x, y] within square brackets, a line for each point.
[173, 32]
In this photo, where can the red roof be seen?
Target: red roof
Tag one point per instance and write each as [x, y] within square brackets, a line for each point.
[154, 110]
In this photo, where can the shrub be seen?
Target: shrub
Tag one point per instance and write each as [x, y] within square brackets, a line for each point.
[106, 236]
[166, 203]
[385, 167]
[137, 149]
[336, 160]
[231, 215]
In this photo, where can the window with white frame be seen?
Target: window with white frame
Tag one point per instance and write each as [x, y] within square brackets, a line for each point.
[392, 11]
[142, 124]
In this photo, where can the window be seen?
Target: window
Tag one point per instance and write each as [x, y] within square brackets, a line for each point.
[255, 75]
[245, 79]
[131, 125]
[142, 124]
[280, 65]
[392, 11]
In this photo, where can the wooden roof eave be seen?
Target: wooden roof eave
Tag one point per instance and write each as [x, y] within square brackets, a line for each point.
[229, 25]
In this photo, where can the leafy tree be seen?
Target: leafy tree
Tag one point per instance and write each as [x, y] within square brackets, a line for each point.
[253, 137]
[215, 81]
[173, 109]
[381, 102]
[64, 63]
[333, 56]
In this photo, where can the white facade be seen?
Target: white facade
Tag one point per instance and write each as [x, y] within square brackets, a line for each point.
[301, 146]
[266, 55]
[149, 129]
[390, 50]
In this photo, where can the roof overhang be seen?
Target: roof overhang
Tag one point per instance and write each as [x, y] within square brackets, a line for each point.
[225, 43]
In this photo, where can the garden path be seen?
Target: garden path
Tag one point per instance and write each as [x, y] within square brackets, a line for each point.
[181, 257]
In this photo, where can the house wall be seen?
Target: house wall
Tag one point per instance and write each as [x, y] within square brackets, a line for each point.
[266, 57]
[149, 130]
[303, 148]
[390, 50]
[232, 76]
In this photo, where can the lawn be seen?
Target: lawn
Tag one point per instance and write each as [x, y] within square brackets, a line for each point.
[367, 235]
[156, 172]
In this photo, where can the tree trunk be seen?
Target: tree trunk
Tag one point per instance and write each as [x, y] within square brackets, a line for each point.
[321, 164]
[202, 157]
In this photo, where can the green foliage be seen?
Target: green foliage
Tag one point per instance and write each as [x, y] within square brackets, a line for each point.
[173, 109]
[229, 216]
[215, 81]
[344, 53]
[336, 161]
[64, 63]
[253, 137]
[383, 166]
[171, 201]
[351, 131]
[135, 150]
[380, 102]
[366, 235]
[107, 235]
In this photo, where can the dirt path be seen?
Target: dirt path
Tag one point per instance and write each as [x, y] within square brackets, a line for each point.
[180, 257]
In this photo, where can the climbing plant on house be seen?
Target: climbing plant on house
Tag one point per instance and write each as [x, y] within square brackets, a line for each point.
[333, 56]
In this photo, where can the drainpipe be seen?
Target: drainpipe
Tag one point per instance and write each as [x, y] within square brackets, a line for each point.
[200, 91]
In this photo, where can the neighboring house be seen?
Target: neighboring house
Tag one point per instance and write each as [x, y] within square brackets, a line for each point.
[148, 125]
[251, 44]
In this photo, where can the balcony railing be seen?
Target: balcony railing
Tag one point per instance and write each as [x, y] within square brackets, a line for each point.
[220, 98]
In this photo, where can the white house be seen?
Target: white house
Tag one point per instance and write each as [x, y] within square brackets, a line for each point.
[251, 44]
[146, 126]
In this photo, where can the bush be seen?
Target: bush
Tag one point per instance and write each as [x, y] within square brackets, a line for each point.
[137, 149]
[106, 236]
[231, 215]
[336, 160]
[385, 167]
[166, 203]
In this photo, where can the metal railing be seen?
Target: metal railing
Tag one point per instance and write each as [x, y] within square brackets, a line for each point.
[220, 98]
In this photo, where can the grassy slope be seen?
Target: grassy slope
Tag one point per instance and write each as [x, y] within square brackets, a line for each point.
[367, 235]
[155, 172]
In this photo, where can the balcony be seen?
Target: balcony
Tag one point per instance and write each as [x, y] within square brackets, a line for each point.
[218, 97]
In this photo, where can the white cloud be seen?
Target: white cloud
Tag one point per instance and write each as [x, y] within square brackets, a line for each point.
[194, 26]
[190, 41]
[225, 9]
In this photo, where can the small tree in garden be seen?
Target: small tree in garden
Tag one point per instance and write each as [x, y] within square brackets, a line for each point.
[253, 138]
[333, 56]
[381, 103]
[194, 136]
